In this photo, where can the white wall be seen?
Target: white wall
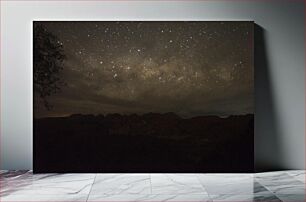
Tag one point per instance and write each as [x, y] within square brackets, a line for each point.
[280, 89]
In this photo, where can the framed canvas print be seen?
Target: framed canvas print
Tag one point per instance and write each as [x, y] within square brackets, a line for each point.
[143, 96]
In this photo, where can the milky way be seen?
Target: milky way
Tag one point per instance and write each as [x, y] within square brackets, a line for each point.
[190, 68]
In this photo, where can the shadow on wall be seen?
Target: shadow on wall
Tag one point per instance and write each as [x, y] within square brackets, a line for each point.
[268, 151]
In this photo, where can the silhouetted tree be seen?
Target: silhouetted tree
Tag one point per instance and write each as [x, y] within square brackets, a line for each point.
[48, 63]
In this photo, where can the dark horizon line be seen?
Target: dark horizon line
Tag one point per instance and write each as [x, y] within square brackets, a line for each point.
[137, 114]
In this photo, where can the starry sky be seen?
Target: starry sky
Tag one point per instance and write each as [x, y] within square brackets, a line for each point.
[189, 68]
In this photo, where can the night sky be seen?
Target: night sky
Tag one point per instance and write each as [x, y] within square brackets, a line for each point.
[190, 68]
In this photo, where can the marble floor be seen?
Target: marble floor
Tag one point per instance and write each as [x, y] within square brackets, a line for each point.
[269, 186]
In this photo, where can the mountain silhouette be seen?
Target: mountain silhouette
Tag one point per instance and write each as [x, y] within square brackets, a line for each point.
[151, 142]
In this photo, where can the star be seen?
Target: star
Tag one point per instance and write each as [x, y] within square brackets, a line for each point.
[192, 60]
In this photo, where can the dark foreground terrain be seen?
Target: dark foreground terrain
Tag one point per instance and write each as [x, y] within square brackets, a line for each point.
[143, 143]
